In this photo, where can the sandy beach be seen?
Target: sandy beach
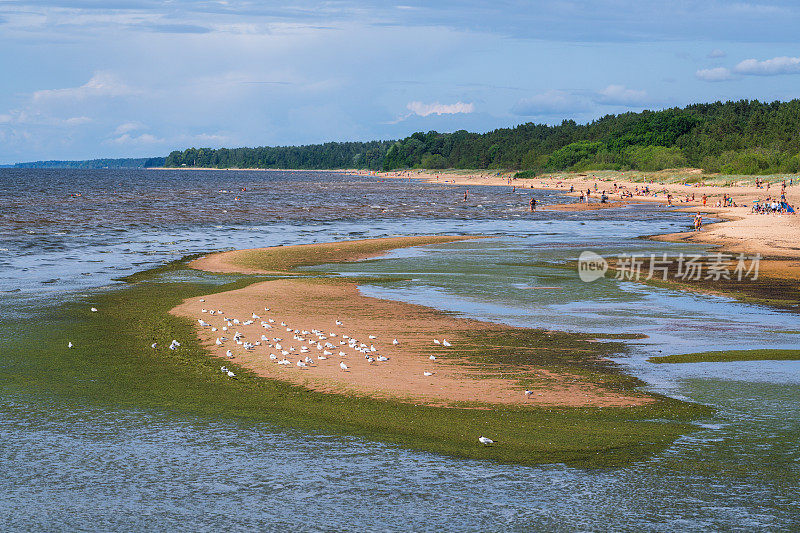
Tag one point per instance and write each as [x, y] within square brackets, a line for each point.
[772, 236]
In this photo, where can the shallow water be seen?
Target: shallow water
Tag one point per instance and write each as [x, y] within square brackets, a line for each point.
[71, 468]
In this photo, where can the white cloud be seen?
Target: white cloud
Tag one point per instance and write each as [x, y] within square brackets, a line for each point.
[714, 74]
[102, 84]
[551, 102]
[621, 95]
[127, 127]
[716, 53]
[128, 139]
[423, 110]
[34, 117]
[769, 67]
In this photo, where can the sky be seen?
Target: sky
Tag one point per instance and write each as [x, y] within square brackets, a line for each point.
[82, 79]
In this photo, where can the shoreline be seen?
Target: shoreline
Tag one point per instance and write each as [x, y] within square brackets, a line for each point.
[775, 237]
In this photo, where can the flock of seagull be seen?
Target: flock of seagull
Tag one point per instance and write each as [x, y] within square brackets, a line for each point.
[305, 349]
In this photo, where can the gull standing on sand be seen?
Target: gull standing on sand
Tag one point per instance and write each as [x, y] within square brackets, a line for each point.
[343, 366]
[486, 441]
[436, 341]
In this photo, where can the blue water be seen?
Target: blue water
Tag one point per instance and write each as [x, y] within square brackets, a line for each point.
[101, 469]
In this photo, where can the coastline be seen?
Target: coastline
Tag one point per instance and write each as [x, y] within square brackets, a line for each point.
[776, 238]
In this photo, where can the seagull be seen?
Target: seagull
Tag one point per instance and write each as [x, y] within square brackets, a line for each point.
[321, 357]
[343, 366]
[445, 343]
[223, 369]
[302, 364]
[486, 441]
[343, 354]
[255, 316]
[370, 360]
[229, 353]
[432, 358]
[528, 393]
[382, 358]
[436, 341]
[94, 309]
[202, 299]
[69, 345]
[273, 357]
[373, 337]
[231, 374]
[153, 346]
[395, 342]
[427, 373]
[338, 322]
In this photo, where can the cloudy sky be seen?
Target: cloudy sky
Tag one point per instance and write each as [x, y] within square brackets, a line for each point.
[114, 78]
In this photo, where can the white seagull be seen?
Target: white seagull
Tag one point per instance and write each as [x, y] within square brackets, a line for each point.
[486, 441]
[343, 366]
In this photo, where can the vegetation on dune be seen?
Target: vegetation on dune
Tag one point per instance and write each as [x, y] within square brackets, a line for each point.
[742, 137]
[730, 355]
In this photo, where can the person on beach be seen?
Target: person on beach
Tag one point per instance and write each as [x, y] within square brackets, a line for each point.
[705, 199]
[466, 193]
[533, 204]
[698, 222]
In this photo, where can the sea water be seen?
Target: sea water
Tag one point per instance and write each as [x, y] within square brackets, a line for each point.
[64, 234]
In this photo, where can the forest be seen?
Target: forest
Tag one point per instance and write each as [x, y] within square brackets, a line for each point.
[142, 162]
[742, 137]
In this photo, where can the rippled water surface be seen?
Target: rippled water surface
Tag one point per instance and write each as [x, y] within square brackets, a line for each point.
[72, 468]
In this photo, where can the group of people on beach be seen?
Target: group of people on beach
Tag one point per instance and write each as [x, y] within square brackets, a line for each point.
[772, 206]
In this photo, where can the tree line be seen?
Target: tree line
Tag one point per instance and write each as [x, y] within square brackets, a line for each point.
[742, 137]
[141, 162]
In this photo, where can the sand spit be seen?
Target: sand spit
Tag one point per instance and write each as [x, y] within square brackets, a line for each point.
[323, 323]
[312, 309]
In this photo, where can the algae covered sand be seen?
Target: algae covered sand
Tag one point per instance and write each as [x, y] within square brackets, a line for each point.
[112, 362]
[283, 259]
[730, 355]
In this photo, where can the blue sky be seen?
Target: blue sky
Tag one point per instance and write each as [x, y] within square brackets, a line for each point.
[90, 78]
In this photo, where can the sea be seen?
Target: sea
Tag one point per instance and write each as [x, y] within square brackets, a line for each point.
[68, 234]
